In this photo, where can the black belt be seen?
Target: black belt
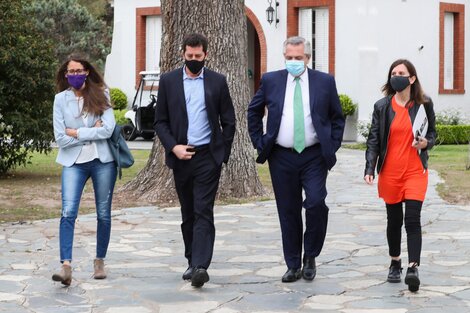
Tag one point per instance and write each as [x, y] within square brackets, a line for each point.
[200, 148]
[317, 145]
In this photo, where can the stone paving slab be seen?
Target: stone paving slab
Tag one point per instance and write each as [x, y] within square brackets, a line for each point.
[145, 260]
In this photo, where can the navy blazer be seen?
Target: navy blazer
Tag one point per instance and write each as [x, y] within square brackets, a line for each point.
[171, 116]
[327, 116]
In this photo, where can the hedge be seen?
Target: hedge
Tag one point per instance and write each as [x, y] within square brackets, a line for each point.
[452, 134]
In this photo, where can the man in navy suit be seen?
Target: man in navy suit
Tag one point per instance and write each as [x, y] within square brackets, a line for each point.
[303, 132]
[195, 121]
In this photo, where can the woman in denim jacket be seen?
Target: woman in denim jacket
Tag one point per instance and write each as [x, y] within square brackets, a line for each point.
[83, 120]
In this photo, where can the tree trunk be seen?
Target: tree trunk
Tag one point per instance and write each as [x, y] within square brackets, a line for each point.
[223, 22]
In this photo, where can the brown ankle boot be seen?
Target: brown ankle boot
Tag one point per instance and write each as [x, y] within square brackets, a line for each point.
[99, 269]
[65, 275]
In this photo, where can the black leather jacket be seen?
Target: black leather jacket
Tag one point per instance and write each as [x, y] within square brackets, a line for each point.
[380, 131]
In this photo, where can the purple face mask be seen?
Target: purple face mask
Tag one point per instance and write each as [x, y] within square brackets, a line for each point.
[76, 81]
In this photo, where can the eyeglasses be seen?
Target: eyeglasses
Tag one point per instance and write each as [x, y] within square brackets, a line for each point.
[76, 72]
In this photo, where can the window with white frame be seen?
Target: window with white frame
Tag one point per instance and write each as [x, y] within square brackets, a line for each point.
[452, 48]
[313, 26]
[449, 50]
[153, 43]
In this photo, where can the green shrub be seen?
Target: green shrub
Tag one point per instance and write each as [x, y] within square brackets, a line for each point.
[118, 98]
[27, 66]
[347, 105]
[119, 117]
[452, 134]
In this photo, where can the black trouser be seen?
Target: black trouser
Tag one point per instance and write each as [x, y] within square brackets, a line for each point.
[292, 173]
[412, 226]
[196, 183]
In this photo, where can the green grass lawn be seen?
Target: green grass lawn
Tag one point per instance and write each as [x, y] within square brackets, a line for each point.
[451, 162]
[33, 192]
[42, 165]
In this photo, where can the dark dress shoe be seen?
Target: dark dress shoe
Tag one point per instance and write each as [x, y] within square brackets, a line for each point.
[310, 269]
[291, 275]
[412, 278]
[200, 277]
[188, 273]
[394, 272]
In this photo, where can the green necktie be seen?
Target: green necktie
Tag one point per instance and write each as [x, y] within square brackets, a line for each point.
[299, 128]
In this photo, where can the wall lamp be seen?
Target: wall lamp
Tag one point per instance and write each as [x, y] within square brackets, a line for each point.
[271, 13]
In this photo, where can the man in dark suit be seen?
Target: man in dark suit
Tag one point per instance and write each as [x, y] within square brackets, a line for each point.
[303, 132]
[195, 121]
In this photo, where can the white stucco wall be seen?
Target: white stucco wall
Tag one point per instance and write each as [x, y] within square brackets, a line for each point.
[371, 34]
[120, 63]
[275, 35]
[459, 102]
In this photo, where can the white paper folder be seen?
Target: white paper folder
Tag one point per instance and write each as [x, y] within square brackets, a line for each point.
[420, 125]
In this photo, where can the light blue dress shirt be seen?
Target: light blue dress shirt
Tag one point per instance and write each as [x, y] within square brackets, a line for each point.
[199, 131]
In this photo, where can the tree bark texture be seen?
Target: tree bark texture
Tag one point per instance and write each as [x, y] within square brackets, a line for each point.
[223, 22]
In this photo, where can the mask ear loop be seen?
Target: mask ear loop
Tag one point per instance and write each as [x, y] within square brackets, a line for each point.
[410, 102]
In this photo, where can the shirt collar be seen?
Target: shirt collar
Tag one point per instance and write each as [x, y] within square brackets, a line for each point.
[185, 75]
[302, 76]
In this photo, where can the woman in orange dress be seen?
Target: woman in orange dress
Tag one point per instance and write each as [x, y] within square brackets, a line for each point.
[401, 161]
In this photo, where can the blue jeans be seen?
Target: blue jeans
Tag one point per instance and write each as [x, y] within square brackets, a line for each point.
[103, 176]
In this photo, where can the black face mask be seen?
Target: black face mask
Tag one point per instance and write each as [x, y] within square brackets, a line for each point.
[194, 66]
[399, 83]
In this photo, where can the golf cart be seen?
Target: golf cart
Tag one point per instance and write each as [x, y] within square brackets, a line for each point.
[142, 112]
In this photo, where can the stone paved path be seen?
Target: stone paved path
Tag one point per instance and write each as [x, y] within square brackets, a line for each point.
[145, 260]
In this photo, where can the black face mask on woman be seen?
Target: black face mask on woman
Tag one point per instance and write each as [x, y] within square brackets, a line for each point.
[194, 66]
[399, 83]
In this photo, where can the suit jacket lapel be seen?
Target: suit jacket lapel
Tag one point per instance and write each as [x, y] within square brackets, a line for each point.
[179, 85]
[282, 92]
[311, 91]
[207, 93]
[180, 100]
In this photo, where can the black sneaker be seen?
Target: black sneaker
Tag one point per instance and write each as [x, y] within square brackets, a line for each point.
[394, 272]
[412, 278]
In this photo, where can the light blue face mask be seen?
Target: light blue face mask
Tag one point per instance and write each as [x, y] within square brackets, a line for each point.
[295, 67]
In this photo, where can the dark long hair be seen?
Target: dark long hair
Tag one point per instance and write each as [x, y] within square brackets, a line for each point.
[416, 92]
[94, 98]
